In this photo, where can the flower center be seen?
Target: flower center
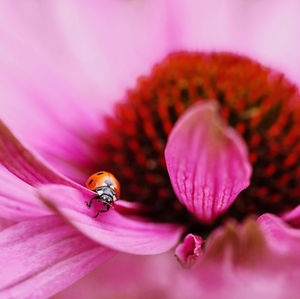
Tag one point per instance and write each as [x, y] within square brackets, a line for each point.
[258, 102]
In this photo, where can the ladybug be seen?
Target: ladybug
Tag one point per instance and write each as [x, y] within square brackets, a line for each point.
[107, 188]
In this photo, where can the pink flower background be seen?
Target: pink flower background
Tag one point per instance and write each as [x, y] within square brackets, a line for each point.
[66, 63]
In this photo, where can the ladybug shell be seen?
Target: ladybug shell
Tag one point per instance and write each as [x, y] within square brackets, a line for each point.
[103, 179]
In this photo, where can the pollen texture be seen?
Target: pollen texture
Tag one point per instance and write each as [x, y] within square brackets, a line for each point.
[258, 102]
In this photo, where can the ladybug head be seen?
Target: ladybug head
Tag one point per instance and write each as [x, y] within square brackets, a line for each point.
[106, 199]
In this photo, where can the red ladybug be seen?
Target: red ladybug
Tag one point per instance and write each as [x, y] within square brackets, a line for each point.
[107, 188]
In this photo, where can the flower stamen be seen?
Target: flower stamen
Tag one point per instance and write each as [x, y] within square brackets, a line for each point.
[256, 101]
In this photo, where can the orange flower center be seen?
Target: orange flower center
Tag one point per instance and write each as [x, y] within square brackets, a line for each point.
[258, 102]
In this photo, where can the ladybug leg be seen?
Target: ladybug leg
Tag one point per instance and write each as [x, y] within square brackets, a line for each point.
[102, 211]
[89, 204]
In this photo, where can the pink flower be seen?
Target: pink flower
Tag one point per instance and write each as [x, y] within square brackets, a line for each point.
[58, 89]
[38, 249]
[216, 276]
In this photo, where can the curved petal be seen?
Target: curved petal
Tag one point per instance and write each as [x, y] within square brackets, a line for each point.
[189, 250]
[240, 245]
[40, 257]
[207, 162]
[27, 166]
[18, 200]
[280, 235]
[130, 208]
[293, 217]
[110, 229]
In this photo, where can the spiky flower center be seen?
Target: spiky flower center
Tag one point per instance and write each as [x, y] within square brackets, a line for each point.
[258, 102]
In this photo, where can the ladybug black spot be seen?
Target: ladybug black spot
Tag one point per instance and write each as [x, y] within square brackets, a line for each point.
[99, 173]
[91, 181]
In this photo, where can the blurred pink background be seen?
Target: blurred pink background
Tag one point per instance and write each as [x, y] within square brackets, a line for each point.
[91, 52]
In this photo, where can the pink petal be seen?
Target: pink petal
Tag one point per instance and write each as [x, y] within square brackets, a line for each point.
[131, 208]
[280, 235]
[66, 57]
[189, 251]
[241, 245]
[4, 223]
[31, 85]
[18, 200]
[101, 53]
[239, 263]
[111, 229]
[293, 217]
[130, 276]
[160, 276]
[27, 166]
[34, 171]
[207, 162]
[40, 257]
[244, 27]
[37, 81]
